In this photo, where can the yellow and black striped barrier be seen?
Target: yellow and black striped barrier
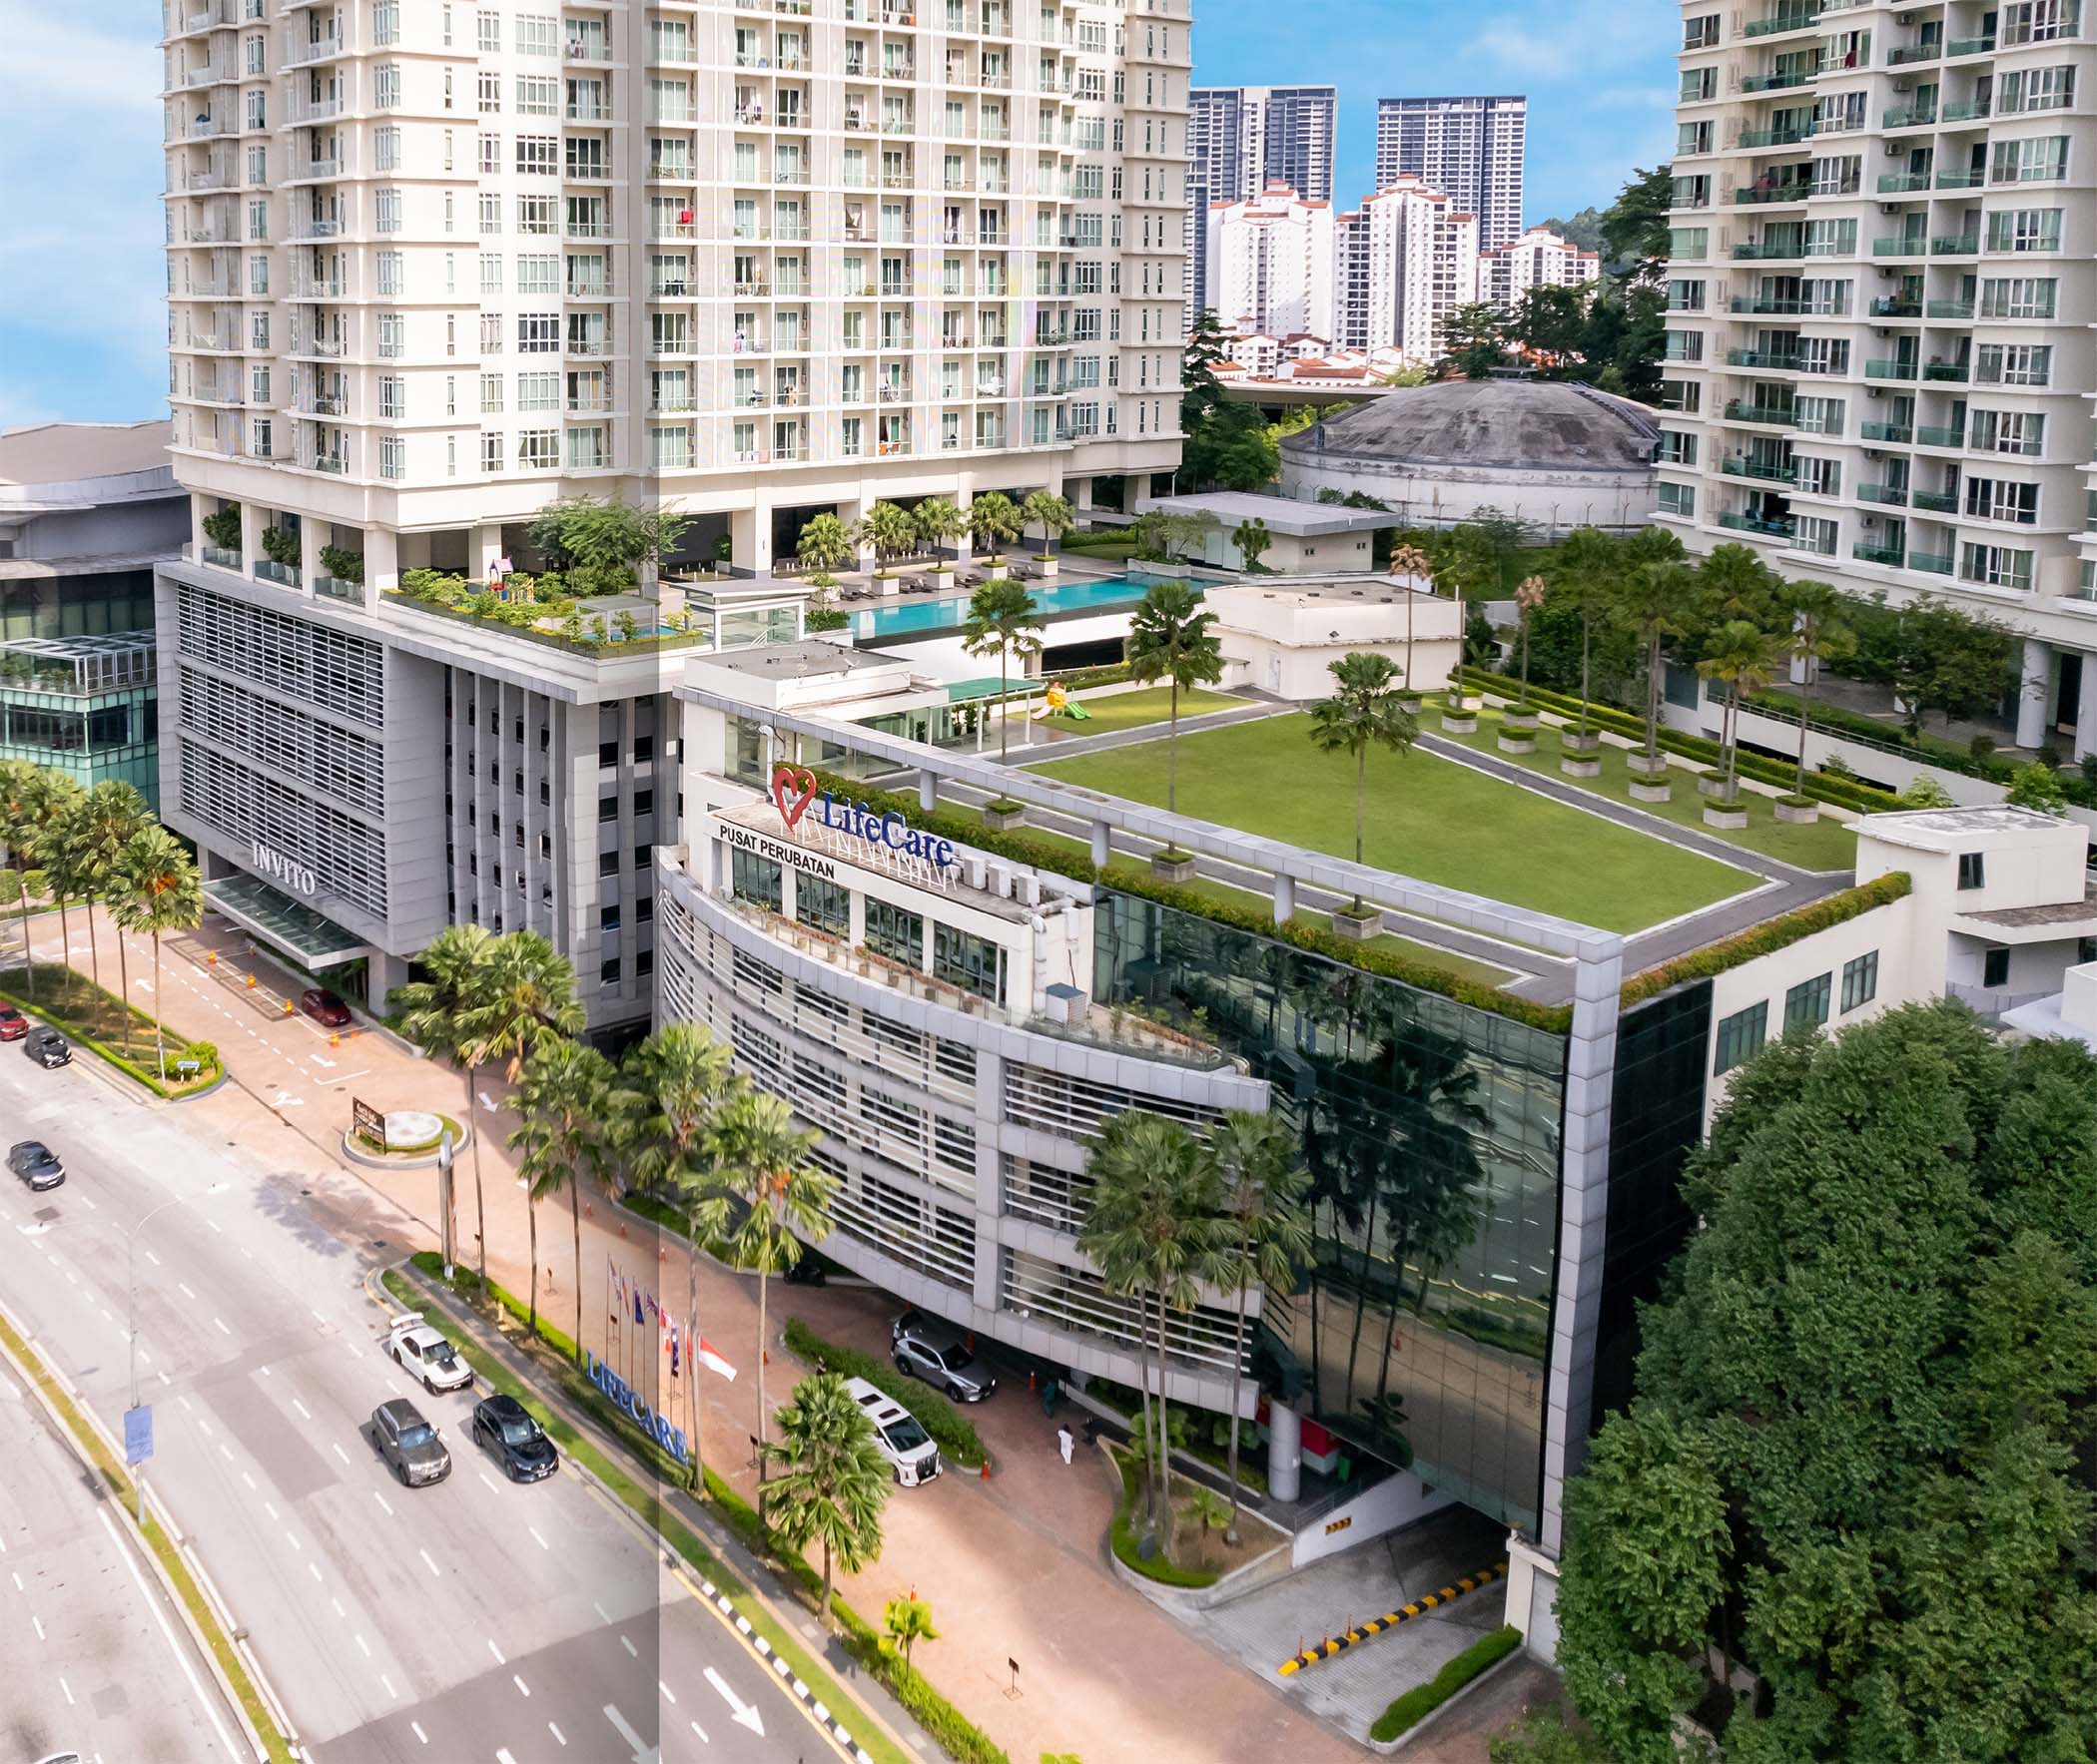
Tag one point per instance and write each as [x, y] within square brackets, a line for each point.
[1335, 1645]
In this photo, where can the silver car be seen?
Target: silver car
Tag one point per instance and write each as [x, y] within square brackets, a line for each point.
[937, 1352]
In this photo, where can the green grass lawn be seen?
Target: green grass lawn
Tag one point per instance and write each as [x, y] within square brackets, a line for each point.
[1822, 845]
[1131, 710]
[1428, 817]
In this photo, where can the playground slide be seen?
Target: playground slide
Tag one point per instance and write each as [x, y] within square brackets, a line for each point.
[1076, 712]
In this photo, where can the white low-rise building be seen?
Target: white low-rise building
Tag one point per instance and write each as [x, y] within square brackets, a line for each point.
[1283, 636]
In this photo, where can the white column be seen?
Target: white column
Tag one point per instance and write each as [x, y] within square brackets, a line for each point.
[1284, 1451]
[2032, 695]
[486, 549]
[2086, 710]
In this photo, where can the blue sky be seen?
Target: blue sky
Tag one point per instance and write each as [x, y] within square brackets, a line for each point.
[83, 327]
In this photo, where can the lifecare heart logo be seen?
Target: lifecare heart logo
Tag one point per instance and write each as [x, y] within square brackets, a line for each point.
[786, 780]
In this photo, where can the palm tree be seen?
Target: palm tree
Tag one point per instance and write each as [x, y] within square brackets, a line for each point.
[1149, 1231]
[1818, 633]
[1051, 513]
[22, 828]
[995, 519]
[825, 542]
[1736, 584]
[526, 996]
[1264, 1230]
[1252, 540]
[1410, 560]
[1002, 621]
[157, 889]
[1170, 640]
[563, 1098]
[433, 1015]
[833, 1481]
[93, 835]
[1587, 565]
[1364, 710]
[763, 1161]
[1660, 599]
[60, 807]
[1741, 656]
[889, 530]
[905, 1622]
[1529, 595]
[938, 521]
[671, 1088]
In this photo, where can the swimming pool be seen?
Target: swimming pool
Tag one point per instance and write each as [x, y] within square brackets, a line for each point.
[917, 613]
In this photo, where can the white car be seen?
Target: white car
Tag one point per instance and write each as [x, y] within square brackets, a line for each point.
[904, 1444]
[426, 1355]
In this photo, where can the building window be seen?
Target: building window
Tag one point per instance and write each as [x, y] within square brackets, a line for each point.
[608, 917]
[643, 964]
[1994, 967]
[755, 878]
[609, 973]
[608, 808]
[1807, 1002]
[1972, 869]
[1740, 1036]
[607, 864]
[896, 932]
[1860, 982]
[822, 906]
[962, 959]
[643, 856]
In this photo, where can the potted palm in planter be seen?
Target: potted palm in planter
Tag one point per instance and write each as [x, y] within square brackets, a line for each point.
[1657, 603]
[1052, 514]
[1410, 561]
[1363, 712]
[1005, 621]
[1171, 639]
[1589, 563]
[994, 518]
[1518, 727]
[1742, 656]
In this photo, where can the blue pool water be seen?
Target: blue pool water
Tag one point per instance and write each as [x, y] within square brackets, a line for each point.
[928, 612]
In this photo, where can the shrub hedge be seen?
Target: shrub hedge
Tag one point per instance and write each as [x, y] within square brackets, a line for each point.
[1125, 1539]
[954, 1436]
[1422, 1699]
[1767, 939]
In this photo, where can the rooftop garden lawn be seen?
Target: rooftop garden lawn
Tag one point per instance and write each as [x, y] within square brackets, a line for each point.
[1428, 817]
[1129, 710]
[1820, 845]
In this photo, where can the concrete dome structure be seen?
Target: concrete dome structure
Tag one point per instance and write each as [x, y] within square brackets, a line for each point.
[1551, 453]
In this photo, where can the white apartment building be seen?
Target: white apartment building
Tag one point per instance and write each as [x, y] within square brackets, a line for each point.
[1878, 353]
[1240, 138]
[1271, 265]
[430, 268]
[1471, 147]
[1402, 260]
[1539, 258]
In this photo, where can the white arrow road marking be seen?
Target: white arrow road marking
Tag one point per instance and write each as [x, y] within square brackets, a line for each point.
[745, 1713]
[642, 1754]
[488, 1102]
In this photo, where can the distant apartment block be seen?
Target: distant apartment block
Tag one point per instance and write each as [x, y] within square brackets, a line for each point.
[1402, 260]
[1539, 258]
[1240, 138]
[1271, 265]
[1469, 148]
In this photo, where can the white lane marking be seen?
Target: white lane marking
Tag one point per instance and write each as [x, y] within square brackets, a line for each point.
[633, 1651]
[490, 1481]
[600, 1610]
[17, 1580]
[263, 1370]
[164, 1377]
[389, 1684]
[204, 1427]
[250, 1481]
[517, 1679]
[339, 1612]
[496, 1651]
[224, 1452]
[215, 1225]
[219, 1324]
[91, 1207]
[186, 1402]
[314, 1568]
[39, 1623]
[303, 1412]
[415, 1727]
[182, 1659]
[537, 1538]
[669, 1695]
[745, 1714]
[292, 1541]
[559, 1738]
[620, 1726]
[151, 1256]
[320, 1316]
[338, 1451]
[363, 1646]
[271, 1510]
[71, 1701]
[502, 1756]
[701, 1732]
[429, 1562]
[383, 1501]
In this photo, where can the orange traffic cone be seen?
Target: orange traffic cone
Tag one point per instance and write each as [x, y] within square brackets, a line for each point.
[986, 1477]
[251, 982]
[334, 1041]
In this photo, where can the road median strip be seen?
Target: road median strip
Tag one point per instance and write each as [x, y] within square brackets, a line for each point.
[1339, 1644]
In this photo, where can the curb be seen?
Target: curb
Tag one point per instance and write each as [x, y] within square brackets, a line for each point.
[1337, 1644]
[414, 1161]
[1388, 1746]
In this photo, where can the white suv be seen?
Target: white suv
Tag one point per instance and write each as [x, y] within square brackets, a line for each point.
[426, 1355]
[905, 1444]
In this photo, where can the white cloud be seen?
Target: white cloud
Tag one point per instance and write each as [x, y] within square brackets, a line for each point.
[1567, 41]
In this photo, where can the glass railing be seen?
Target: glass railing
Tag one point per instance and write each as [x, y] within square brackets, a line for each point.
[1959, 180]
[1913, 247]
[1950, 309]
[1753, 137]
[1896, 307]
[1940, 435]
[1894, 183]
[1967, 110]
[1770, 471]
[1893, 494]
[1954, 245]
[1952, 371]
[1780, 21]
[1934, 563]
[1910, 116]
[1892, 554]
[1774, 81]
[1970, 45]
[1889, 370]
[1767, 248]
[1777, 528]
[1935, 501]
[1739, 411]
[1888, 431]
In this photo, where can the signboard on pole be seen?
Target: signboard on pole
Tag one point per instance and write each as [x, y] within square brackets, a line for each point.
[138, 1434]
[368, 1123]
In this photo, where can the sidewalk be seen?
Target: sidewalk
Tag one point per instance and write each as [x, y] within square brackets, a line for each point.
[1015, 1568]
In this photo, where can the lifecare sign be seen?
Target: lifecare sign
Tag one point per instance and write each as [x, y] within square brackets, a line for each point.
[794, 791]
[671, 1439]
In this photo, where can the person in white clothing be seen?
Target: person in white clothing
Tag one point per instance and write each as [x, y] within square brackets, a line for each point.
[1063, 1441]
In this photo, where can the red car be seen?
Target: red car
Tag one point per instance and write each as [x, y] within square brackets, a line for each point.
[12, 1024]
[324, 1008]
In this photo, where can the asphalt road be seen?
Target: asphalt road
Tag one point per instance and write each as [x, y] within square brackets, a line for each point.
[475, 1619]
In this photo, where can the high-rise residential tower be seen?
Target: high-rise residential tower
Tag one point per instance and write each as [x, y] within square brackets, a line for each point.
[433, 268]
[1401, 260]
[1878, 368]
[1469, 148]
[1240, 138]
[1271, 265]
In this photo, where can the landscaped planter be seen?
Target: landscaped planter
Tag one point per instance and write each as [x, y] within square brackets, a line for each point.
[1520, 720]
[1410, 703]
[1047, 567]
[993, 569]
[1458, 717]
[1729, 812]
[1516, 741]
[1000, 818]
[1797, 810]
[1170, 864]
[1643, 764]
[1577, 761]
[1360, 925]
[1574, 743]
[1650, 792]
[1713, 784]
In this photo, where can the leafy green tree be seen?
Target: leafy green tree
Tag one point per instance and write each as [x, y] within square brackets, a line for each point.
[94, 836]
[906, 1622]
[888, 531]
[1202, 393]
[1474, 338]
[1049, 513]
[60, 804]
[1925, 792]
[1170, 639]
[1252, 540]
[24, 830]
[1658, 599]
[433, 1015]
[1635, 230]
[157, 889]
[1819, 634]
[938, 521]
[995, 520]
[825, 542]
[1584, 571]
[762, 1160]
[1553, 322]
[1743, 658]
[1542, 1737]
[1363, 712]
[1857, 1462]
[598, 547]
[1736, 584]
[2038, 787]
[672, 1089]
[1263, 1232]
[1150, 1232]
[831, 1480]
[1002, 621]
[563, 1110]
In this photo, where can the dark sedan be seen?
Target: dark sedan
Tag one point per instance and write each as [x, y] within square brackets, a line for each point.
[503, 1425]
[48, 1047]
[37, 1164]
[324, 1008]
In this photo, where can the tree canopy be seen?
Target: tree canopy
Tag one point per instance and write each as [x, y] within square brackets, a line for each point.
[1859, 1459]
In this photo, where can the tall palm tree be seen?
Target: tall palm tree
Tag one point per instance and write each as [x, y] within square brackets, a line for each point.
[1051, 513]
[1005, 621]
[1658, 600]
[1169, 639]
[889, 530]
[995, 520]
[158, 887]
[825, 542]
[61, 806]
[833, 1481]
[1736, 584]
[670, 1090]
[526, 996]
[763, 1161]
[1586, 568]
[94, 834]
[1743, 658]
[938, 521]
[433, 1015]
[563, 1100]
[1149, 1231]
[1529, 595]
[1411, 561]
[22, 789]
[1264, 1233]
[1818, 633]
[1362, 713]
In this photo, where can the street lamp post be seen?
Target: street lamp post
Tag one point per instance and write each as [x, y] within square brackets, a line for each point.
[132, 1234]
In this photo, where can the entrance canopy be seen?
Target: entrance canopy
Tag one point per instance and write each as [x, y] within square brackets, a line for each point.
[300, 931]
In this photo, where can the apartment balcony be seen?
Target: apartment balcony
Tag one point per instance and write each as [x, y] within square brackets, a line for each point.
[1797, 189]
[222, 342]
[1786, 18]
[1961, 179]
[316, 109]
[216, 16]
[903, 69]
[1940, 435]
[1901, 183]
[1894, 370]
[1896, 307]
[1780, 415]
[211, 73]
[317, 227]
[1783, 361]
[1954, 245]
[1790, 306]
[315, 171]
[1967, 110]
[1910, 116]
[1770, 526]
[1911, 246]
[1886, 554]
[216, 232]
[1768, 252]
[323, 405]
[1931, 563]
[1893, 495]
[299, 51]
[1950, 309]
[1749, 139]
[216, 178]
[579, 49]
[1896, 433]
[1958, 46]
[1774, 81]
[575, 229]
[1915, 53]
[750, 345]
[1768, 472]
[1935, 501]
[207, 128]
[601, 113]
[589, 287]
[589, 349]
[1958, 372]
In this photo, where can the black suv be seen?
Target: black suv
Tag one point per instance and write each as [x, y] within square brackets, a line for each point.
[48, 1047]
[520, 1446]
[410, 1443]
[936, 1352]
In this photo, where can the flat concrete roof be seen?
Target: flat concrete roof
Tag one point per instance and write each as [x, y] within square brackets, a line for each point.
[808, 659]
[1283, 514]
[1943, 830]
